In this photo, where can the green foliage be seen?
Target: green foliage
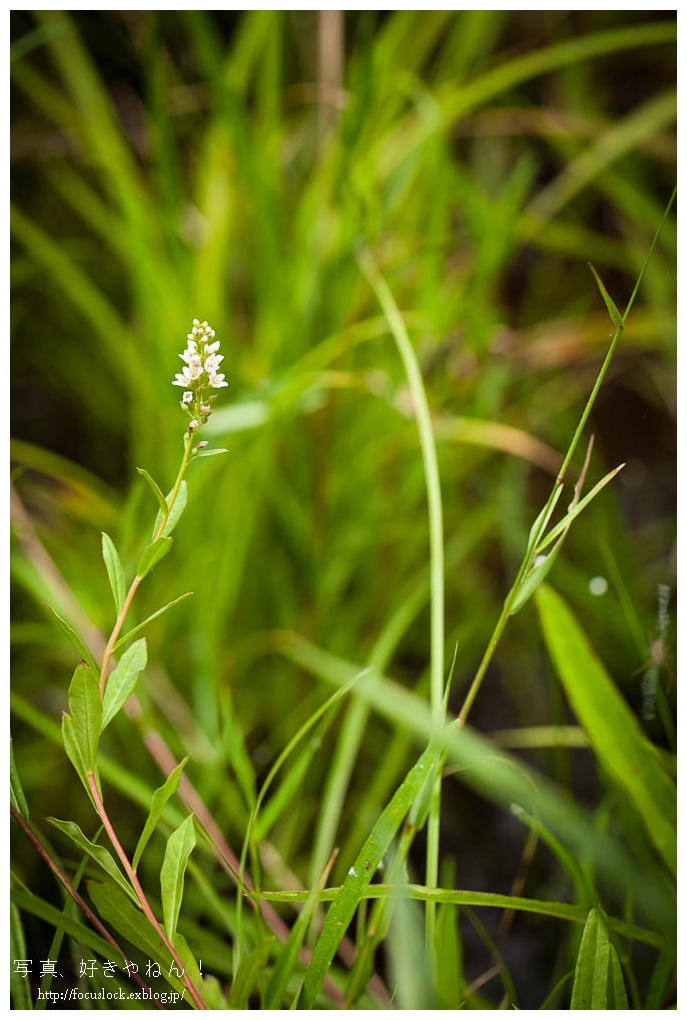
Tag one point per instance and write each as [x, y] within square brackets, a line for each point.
[179, 847]
[122, 680]
[157, 806]
[612, 729]
[387, 216]
[598, 976]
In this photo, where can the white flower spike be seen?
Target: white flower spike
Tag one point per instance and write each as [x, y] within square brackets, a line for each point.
[200, 373]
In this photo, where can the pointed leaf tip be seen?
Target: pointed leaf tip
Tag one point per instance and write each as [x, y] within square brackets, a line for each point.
[615, 315]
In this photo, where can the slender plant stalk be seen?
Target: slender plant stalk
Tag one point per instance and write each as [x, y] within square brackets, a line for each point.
[436, 552]
[530, 552]
[119, 622]
[133, 878]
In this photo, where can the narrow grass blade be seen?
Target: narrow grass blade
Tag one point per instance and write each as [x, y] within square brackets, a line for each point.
[20, 987]
[288, 956]
[99, 853]
[86, 712]
[175, 513]
[615, 315]
[566, 521]
[613, 730]
[179, 847]
[470, 898]
[16, 790]
[449, 976]
[73, 637]
[152, 554]
[155, 489]
[122, 680]
[598, 982]
[33, 904]
[248, 974]
[344, 906]
[157, 806]
[115, 571]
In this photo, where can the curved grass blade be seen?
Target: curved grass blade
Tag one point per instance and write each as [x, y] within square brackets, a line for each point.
[16, 790]
[122, 680]
[157, 806]
[115, 571]
[613, 730]
[179, 847]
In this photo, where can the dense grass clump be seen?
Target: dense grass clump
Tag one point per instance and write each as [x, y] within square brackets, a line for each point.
[404, 734]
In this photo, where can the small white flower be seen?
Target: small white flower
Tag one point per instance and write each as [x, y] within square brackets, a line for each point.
[201, 366]
[192, 425]
[212, 363]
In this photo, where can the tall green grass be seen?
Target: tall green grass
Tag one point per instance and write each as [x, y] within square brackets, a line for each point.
[396, 266]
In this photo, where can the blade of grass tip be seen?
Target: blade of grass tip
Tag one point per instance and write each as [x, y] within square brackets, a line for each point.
[436, 543]
[524, 566]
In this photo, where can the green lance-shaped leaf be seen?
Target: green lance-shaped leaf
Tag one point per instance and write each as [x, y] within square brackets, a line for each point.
[157, 806]
[115, 571]
[153, 616]
[541, 568]
[534, 578]
[155, 489]
[211, 453]
[99, 854]
[566, 521]
[73, 751]
[598, 978]
[179, 846]
[610, 725]
[86, 712]
[346, 903]
[16, 790]
[152, 554]
[288, 954]
[176, 511]
[71, 634]
[129, 922]
[122, 680]
[615, 315]
[543, 517]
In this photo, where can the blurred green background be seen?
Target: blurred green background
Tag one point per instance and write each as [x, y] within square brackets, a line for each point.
[229, 166]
